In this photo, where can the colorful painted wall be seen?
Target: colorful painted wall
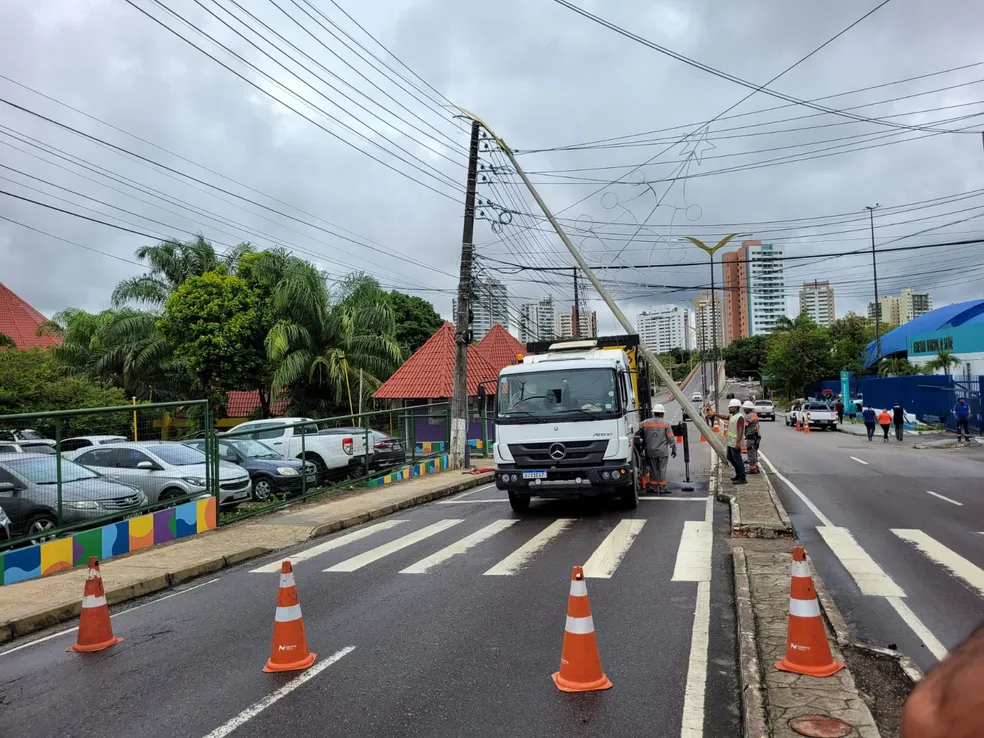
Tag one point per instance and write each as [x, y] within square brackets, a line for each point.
[433, 447]
[431, 466]
[108, 541]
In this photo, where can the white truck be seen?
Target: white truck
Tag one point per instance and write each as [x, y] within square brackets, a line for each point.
[566, 420]
[334, 456]
[815, 414]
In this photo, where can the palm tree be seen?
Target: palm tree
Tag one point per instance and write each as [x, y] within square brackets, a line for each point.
[944, 360]
[321, 335]
[7, 342]
[896, 367]
[171, 264]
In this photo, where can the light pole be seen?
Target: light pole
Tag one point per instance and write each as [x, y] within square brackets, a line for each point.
[710, 251]
[701, 346]
[874, 273]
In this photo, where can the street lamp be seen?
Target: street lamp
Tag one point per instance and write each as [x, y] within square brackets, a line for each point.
[710, 251]
[874, 272]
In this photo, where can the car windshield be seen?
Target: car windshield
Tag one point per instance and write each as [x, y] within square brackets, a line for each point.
[253, 449]
[530, 396]
[177, 454]
[44, 470]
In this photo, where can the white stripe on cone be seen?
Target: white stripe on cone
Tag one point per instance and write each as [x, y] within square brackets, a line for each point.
[287, 580]
[579, 588]
[804, 608]
[801, 569]
[288, 614]
[93, 601]
[580, 626]
[93, 574]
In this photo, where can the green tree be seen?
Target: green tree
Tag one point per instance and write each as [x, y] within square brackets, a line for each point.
[213, 325]
[850, 337]
[896, 367]
[945, 360]
[416, 320]
[799, 355]
[745, 356]
[171, 264]
[6, 341]
[31, 382]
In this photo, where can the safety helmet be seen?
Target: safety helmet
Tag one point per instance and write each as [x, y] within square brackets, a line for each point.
[748, 405]
[734, 403]
[657, 408]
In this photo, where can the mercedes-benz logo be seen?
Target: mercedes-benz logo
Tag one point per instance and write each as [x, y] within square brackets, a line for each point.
[557, 451]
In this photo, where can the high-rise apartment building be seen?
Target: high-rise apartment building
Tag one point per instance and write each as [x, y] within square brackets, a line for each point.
[665, 328]
[537, 321]
[489, 306]
[588, 324]
[708, 316]
[754, 289]
[900, 309]
[817, 302]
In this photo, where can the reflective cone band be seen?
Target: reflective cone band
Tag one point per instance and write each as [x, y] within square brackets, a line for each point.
[807, 650]
[289, 651]
[95, 628]
[580, 662]
[806, 427]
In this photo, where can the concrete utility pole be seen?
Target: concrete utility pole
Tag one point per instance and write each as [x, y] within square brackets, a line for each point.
[462, 329]
[715, 441]
[874, 272]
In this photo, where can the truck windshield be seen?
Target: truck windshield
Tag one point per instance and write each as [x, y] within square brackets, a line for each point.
[569, 394]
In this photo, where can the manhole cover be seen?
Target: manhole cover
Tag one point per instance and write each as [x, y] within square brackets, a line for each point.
[819, 726]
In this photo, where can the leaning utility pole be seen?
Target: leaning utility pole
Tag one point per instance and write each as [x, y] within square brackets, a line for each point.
[874, 273]
[462, 327]
[715, 441]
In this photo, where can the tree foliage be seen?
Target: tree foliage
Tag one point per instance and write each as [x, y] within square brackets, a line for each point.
[799, 356]
[415, 318]
[896, 367]
[745, 356]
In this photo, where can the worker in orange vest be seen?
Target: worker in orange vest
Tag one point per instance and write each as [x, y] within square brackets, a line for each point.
[660, 444]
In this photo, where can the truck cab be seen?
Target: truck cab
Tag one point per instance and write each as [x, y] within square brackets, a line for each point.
[566, 419]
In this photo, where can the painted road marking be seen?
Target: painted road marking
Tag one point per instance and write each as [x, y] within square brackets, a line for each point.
[662, 498]
[936, 551]
[357, 562]
[606, 558]
[257, 707]
[36, 641]
[860, 461]
[693, 695]
[469, 502]
[458, 547]
[943, 497]
[796, 490]
[870, 578]
[522, 555]
[693, 559]
[310, 553]
[918, 627]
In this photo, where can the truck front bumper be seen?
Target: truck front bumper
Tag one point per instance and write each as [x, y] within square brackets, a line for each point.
[609, 478]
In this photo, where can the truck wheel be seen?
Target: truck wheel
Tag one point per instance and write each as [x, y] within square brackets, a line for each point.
[630, 498]
[519, 503]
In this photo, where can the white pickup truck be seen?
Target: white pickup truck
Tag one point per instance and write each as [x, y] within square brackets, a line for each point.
[335, 456]
[814, 414]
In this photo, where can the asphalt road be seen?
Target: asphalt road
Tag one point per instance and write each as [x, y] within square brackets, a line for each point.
[447, 651]
[897, 534]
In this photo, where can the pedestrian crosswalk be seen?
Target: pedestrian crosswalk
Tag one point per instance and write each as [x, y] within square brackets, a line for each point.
[602, 559]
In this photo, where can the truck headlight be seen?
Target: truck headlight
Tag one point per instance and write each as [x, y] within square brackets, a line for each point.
[287, 471]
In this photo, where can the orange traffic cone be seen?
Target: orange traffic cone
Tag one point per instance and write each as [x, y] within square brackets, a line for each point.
[798, 426]
[806, 427]
[807, 650]
[702, 439]
[580, 662]
[95, 628]
[289, 651]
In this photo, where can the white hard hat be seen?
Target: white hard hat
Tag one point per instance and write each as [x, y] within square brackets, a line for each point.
[734, 402]
[748, 405]
[657, 408]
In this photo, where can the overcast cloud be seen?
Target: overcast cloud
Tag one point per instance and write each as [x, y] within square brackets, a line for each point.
[542, 77]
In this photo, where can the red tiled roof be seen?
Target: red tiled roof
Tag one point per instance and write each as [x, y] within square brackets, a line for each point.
[429, 373]
[500, 347]
[20, 321]
[244, 403]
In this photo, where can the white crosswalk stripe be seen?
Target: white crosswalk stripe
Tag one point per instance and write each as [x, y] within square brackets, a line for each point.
[606, 558]
[357, 562]
[519, 558]
[940, 554]
[327, 546]
[458, 547]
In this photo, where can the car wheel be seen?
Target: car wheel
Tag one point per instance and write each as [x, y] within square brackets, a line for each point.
[519, 503]
[171, 493]
[40, 527]
[262, 489]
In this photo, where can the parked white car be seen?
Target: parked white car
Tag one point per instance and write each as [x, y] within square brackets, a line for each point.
[334, 456]
[25, 447]
[816, 414]
[74, 444]
[163, 470]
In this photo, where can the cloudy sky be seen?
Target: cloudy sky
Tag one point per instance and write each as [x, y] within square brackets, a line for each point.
[316, 137]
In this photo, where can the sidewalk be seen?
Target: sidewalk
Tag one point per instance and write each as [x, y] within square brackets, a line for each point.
[38, 603]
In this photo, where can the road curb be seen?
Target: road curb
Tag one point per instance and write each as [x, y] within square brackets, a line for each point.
[908, 666]
[160, 581]
[755, 723]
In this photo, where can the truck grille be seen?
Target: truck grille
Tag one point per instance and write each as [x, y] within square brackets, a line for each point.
[578, 453]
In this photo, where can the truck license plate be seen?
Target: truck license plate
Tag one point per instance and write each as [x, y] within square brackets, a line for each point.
[535, 474]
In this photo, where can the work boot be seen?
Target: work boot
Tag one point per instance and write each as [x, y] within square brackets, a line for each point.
[739, 481]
